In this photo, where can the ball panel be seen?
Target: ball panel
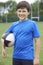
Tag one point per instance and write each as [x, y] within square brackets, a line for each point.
[6, 43]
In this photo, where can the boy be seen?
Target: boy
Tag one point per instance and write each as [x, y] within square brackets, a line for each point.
[25, 31]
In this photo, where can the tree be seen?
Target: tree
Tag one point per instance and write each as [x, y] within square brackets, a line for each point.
[41, 11]
[9, 11]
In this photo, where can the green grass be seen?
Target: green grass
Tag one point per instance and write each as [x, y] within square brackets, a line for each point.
[8, 60]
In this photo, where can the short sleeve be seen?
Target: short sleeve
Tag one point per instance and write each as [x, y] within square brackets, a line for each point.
[9, 29]
[35, 30]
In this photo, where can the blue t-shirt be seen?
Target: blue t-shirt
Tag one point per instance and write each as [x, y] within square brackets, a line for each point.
[24, 31]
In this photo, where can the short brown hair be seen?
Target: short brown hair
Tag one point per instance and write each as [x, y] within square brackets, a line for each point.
[23, 4]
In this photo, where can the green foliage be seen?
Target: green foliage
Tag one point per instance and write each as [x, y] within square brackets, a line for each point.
[41, 11]
[1, 4]
[12, 16]
[12, 7]
[41, 5]
[35, 8]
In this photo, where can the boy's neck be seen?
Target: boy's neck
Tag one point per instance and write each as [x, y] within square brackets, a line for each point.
[23, 20]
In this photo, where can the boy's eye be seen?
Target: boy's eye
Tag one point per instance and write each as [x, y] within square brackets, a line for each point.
[24, 11]
[21, 11]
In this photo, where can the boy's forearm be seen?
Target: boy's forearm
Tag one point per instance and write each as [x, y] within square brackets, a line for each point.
[2, 40]
[3, 47]
[37, 48]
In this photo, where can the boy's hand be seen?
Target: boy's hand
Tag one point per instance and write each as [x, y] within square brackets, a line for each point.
[4, 53]
[36, 61]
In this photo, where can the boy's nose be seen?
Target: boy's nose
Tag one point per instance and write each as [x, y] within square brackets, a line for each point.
[21, 12]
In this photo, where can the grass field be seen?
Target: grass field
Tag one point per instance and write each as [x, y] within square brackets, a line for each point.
[8, 60]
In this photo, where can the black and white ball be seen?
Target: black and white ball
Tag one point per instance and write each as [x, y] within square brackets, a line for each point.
[9, 40]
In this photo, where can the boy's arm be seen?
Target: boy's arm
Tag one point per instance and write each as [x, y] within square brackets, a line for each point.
[3, 37]
[37, 51]
[4, 54]
[3, 48]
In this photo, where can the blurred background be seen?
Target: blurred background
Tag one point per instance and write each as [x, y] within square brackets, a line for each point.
[8, 10]
[8, 15]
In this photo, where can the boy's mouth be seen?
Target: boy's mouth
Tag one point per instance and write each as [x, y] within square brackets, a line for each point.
[22, 16]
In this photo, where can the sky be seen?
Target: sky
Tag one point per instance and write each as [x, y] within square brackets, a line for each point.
[30, 1]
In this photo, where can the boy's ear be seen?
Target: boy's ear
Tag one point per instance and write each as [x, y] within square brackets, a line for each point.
[28, 13]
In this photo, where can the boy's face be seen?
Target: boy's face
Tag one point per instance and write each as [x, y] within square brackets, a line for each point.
[22, 13]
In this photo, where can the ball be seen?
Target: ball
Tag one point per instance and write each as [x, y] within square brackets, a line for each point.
[9, 40]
